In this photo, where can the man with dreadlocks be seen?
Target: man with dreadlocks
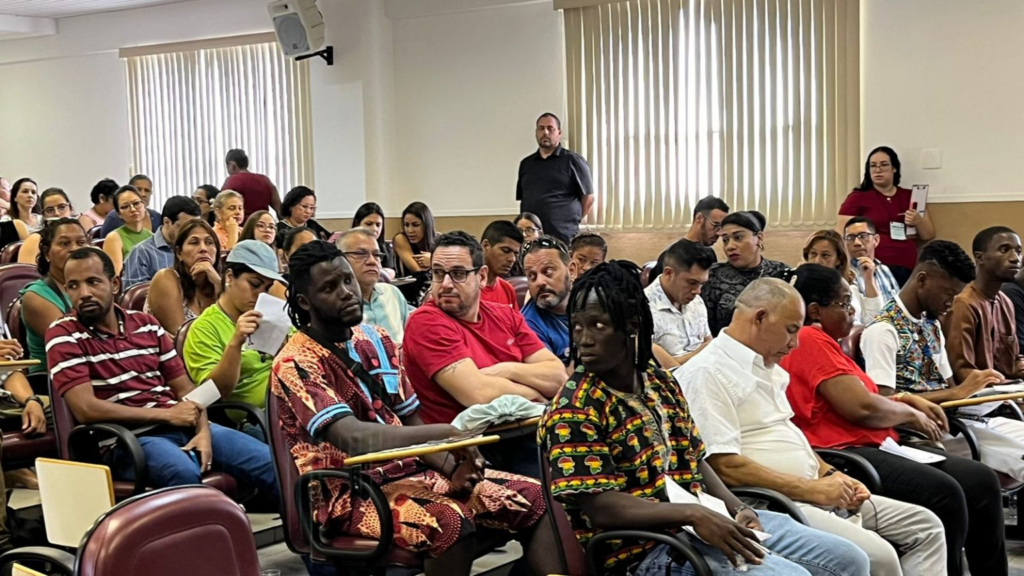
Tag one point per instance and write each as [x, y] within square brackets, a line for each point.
[344, 393]
[619, 435]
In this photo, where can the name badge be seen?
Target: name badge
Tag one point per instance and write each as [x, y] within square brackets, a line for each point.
[898, 230]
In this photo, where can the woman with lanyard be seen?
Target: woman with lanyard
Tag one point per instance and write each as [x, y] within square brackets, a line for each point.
[743, 244]
[215, 348]
[44, 301]
[880, 199]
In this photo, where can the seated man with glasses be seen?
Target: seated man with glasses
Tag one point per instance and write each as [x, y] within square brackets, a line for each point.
[460, 351]
[861, 241]
[157, 252]
[383, 304]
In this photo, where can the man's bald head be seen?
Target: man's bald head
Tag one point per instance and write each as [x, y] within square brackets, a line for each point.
[767, 319]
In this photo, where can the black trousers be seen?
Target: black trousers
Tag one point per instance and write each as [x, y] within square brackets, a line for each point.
[964, 494]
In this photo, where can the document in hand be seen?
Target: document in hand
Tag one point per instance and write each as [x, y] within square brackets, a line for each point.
[204, 395]
[274, 325]
[920, 456]
[679, 495]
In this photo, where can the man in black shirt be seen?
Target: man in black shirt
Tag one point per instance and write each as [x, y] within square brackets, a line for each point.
[554, 183]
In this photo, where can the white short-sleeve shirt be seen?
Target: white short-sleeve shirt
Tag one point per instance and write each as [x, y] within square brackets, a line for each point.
[678, 330]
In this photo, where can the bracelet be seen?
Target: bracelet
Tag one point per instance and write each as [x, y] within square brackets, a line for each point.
[829, 472]
[35, 399]
[741, 508]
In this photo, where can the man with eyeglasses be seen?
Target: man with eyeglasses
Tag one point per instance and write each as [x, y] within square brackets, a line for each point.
[383, 304]
[157, 252]
[144, 185]
[704, 230]
[460, 351]
[861, 239]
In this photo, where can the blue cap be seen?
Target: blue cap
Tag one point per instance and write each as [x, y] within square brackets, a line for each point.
[258, 256]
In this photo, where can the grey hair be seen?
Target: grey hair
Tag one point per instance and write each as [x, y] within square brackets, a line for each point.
[223, 198]
[767, 293]
[356, 232]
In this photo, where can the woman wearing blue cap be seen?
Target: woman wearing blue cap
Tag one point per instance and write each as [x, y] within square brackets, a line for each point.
[215, 347]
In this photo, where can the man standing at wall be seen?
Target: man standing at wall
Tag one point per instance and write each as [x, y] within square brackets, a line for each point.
[554, 183]
[257, 191]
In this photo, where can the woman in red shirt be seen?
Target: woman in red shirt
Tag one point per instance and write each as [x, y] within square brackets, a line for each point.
[880, 199]
[837, 405]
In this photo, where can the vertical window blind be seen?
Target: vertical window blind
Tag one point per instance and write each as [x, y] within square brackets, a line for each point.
[753, 101]
[187, 108]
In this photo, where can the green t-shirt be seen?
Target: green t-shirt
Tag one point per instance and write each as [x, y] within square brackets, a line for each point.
[36, 342]
[130, 238]
[207, 339]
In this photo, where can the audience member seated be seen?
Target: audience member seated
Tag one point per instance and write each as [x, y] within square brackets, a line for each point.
[298, 209]
[12, 231]
[215, 347]
[5, 195]
[416, 241]
[116, 365]
[743, 243]
[619, 434]
[342, 394]
[827, 248]
[587, 250]
[1014, 290]
[24, 196]
[371, 216]
[102, 197]
[260, 226]
[880, 199]
[736, 389]
[383, 304]
[837, 405]
[549, 273]
[460, 351]
[182, 292]
[257, 190]
[294, 239]
[44, 301]
[144, 188]
[861, 241]
[680, 317]
[132, 210]
[204, 196]
[905, 351]
[228, 213]
[501, 242]
[157, 252]
[708, 214]
[532, 228]
[55, 205]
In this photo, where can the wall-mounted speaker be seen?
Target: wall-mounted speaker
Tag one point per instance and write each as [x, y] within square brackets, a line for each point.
[299, 26]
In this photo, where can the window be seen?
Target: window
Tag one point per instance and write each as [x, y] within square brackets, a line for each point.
[189, 105]
[754, 101]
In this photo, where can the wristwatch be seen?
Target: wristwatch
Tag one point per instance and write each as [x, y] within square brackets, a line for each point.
[741, 508]
[35, 398]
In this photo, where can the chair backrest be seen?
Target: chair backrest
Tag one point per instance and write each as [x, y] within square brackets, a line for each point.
[63, 422]
[14, 277]
[645, 274]
[522, 286]
[10, 252]
[73, 495]
[194, 530]
[287, 477]
[179, 338]
[13, 320]
[97, 242]
[94, 232]
[574, 560]
[851, 344]
[134, 298]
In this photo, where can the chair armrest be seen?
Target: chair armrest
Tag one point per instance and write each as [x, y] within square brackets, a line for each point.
[911, 434]
[419, 450]
[63, 561]
[855, 466]
[83, 446]
[777, 501]
[253, 415]
[362, 487]
[682, 551]
[959, 427]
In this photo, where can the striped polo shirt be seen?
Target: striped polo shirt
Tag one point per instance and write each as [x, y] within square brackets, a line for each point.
[131, 367]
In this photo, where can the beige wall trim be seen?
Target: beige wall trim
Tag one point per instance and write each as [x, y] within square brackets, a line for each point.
[569, 4]
[207, 44]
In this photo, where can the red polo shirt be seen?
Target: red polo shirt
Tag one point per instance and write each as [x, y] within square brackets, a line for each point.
[817, 359]
[500, 293]
[882, 210]
[256, 190]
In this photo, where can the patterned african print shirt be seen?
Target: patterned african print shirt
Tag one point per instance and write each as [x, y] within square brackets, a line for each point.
[599, 439]
[904, 352]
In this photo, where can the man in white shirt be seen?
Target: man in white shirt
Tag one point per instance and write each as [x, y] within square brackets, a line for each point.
[383, 304]
[680, 317]
[737, 394]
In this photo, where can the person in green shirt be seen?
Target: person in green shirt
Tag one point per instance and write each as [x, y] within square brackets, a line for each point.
[132, 209]
[215, 348]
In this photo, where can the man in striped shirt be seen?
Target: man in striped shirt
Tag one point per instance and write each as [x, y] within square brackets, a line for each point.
[113, 365]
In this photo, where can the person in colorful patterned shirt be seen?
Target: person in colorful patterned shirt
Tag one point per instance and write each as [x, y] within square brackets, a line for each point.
[618, 434]
[343, 393]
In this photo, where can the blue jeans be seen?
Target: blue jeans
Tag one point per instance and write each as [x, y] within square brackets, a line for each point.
[235, 453]
[796, 549]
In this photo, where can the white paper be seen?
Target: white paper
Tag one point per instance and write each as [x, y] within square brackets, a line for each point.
[1009, 388]
[274, 325]
[204, 395]
[919, 202]
[920, 456]
[679, 495]
[979, 409]
[897, 230]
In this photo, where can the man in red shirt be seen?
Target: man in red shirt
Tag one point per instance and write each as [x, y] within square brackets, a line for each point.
[257, 191]
[460, 351]
[501, 243]
[115, 365]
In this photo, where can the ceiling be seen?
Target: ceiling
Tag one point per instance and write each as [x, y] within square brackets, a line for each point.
[67, 8]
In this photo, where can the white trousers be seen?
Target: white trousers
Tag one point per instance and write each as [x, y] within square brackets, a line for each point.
[1001, 442]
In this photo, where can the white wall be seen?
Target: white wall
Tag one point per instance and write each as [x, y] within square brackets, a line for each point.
[946, 74]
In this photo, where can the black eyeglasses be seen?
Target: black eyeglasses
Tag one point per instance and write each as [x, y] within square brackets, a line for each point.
[847, 306]
[363, 255]
[863, 237]
[458, 275]
[544, 243]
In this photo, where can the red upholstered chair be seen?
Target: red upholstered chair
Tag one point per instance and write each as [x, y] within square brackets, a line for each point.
[190, 530]
[10, 252]
[522, 286]
[94, 233]
[134, 298]
[14, 277]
